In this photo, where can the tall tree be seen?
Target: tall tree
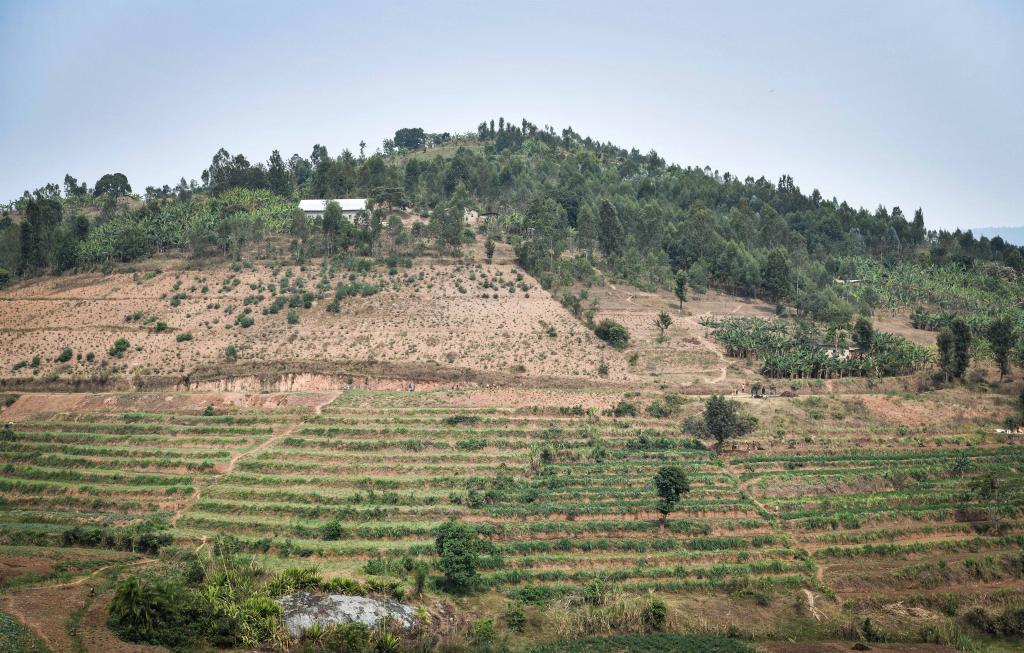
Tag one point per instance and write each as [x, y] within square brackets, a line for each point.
[864, 335]
[114, 184]
[681, 280]
[610, 235]
[278, 176]
[1001, 338]
[776, 277]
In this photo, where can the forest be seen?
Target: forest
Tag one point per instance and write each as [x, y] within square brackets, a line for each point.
[571, 206]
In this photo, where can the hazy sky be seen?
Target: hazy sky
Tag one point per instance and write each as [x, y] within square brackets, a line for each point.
[894, 103]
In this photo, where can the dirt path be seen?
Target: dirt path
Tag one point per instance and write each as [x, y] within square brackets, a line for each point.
[263, 446]
[13, 607]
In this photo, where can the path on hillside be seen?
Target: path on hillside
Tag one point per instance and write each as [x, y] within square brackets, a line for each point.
[260, 448]
[819, 572]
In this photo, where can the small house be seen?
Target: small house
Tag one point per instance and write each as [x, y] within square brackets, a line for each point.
[350, 207]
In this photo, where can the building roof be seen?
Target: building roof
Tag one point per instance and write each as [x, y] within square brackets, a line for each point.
[346, 204]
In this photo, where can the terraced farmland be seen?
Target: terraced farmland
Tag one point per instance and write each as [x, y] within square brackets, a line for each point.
[914, 518]
[375, 474]
[106, 469]
[858, 518]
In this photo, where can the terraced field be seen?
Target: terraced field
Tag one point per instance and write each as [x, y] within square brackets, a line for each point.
[824, 506]
[567, 498]
[104, 469]
[888, 516]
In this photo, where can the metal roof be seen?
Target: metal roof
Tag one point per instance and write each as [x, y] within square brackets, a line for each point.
[346, 204]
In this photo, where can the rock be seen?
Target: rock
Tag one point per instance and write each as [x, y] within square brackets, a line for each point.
[303, 609]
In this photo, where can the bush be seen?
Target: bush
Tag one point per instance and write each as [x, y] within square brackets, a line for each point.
[293, 317]
[119, 347]
[65, 355]
[625, 409]
[515, 616]
[231, 353]
[655, 613]
[183, 337]
[353, 637]
[613, 333]
[481, 631]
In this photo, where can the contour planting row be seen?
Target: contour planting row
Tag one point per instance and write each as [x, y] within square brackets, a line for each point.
[111, 468]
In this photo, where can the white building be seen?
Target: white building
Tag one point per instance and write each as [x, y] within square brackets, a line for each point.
[350, 207]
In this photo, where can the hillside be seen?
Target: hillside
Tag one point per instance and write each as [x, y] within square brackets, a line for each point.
[545, 388]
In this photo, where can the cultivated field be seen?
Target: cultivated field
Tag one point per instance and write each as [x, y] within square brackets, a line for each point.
[831, 512]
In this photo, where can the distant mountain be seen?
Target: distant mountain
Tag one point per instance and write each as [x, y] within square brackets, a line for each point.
[1013, 235]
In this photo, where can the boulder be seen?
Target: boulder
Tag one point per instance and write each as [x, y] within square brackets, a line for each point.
[303, 609]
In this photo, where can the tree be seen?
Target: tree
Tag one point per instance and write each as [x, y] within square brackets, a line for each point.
[613, 333]
[72, 187]
[1000, 336]
[331, 225]
[278, 176]
[662, 322]
[671, 483]
[962, 340]
[489, 249]
[776, 276]
[722, 421]
[944, 343]
[112, 185]
[410, 138]
[610, 235]
[459, 547]
[954, 344]
[681, 281]
[864, 335]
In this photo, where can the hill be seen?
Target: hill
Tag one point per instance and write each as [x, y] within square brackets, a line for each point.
[546, 388]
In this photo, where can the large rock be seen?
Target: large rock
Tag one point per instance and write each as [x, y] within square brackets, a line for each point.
[303, 609]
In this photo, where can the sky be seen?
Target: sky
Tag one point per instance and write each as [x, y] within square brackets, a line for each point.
[917, 103]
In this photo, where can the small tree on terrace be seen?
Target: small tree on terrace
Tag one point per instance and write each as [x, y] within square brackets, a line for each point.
[662, 322]
[722, 421]
[489, 249]
[681, 280]
[459, 548]
[671, 483]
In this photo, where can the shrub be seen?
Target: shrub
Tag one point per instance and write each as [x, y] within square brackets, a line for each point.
[119, 347]
[353, 637]
[515, 616]
[293, 317]
[655, 613]
[625, 409]
[160, 326]
[147, 611]
[481, 631]
[65, 355]
[613, 333]
[231, 353]
[183, 337]
[245, 321]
